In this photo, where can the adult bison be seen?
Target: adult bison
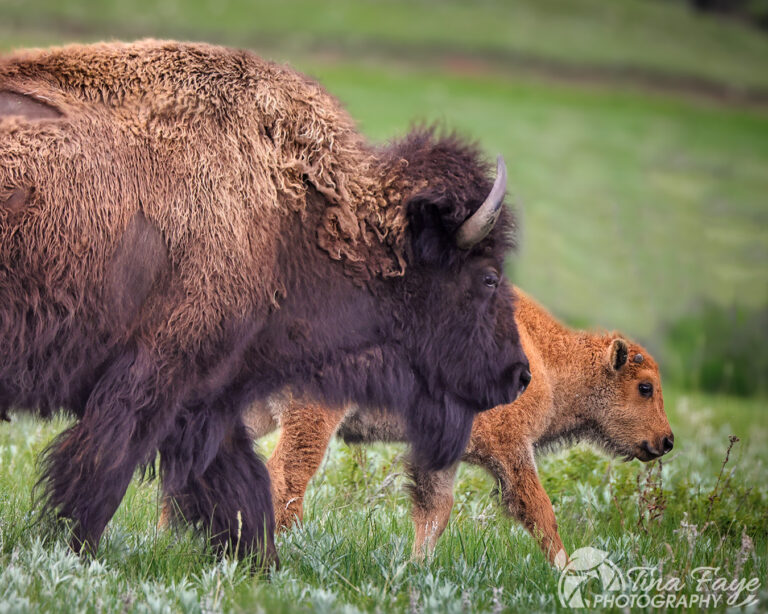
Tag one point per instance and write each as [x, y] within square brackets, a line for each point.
[185, 229]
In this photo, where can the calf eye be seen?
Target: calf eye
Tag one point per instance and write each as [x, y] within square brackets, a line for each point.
[491, 279]
[646, 389]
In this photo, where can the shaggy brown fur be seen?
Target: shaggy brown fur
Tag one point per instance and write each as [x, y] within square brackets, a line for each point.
[185, 229]
[585, 387]
[281, 130]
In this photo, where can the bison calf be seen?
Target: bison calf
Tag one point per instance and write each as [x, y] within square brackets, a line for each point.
[590, 387]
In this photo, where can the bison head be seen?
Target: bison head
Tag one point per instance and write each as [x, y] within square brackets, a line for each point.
[633, 422]
[459, 332]
[438, 343]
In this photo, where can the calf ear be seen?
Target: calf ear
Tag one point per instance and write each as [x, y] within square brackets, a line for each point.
[618, 352]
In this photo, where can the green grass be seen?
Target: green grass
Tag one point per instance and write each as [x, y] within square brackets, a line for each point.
[352, 553]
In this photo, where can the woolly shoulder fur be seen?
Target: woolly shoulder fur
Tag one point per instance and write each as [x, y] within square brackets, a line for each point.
[219, 134]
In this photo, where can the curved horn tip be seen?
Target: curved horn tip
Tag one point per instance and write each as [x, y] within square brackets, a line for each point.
[501, 173]
[479, 224]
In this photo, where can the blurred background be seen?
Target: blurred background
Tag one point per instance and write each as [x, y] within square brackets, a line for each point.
[635, 132]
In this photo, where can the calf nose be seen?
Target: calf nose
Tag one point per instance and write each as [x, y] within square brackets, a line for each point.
[668, 443]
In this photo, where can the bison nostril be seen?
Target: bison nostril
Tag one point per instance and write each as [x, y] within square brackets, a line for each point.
[668, 443]
[522, 383]
[653, 453]
[525, 379]
[518, 376]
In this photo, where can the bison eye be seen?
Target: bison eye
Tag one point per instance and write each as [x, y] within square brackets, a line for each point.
[646, 389]
[491, 279]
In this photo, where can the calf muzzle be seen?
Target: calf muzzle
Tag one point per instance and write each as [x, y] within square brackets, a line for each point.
[664, 444]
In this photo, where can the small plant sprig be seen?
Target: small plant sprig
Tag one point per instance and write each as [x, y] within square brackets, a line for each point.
[715, 495]
[650, 494]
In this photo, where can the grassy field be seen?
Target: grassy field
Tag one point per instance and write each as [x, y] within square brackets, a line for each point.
[637, 209]
[352, 553]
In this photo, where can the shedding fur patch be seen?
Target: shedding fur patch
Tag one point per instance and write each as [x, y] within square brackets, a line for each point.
[139, 261]
[15, 201]
[13, 104]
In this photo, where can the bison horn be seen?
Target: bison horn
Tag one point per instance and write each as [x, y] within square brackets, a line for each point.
[481, 222]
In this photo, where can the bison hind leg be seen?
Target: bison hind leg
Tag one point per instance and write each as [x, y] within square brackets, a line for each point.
[230, 498]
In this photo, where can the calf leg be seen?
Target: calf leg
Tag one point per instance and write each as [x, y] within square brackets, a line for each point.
[432, 500]
[229, 496]
[87, 469]
[525, 497]
[306, 432]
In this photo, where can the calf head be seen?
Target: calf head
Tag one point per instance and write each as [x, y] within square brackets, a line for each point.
[633, 422]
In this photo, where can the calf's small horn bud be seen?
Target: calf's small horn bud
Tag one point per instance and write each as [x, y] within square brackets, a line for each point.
[638, 358]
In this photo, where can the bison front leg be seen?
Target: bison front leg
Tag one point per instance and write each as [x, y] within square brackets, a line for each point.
[525, 497]
[432, 500]
[87, 469]
[229, 497]
[306, 432]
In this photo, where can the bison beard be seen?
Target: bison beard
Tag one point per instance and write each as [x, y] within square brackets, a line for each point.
[186, 229]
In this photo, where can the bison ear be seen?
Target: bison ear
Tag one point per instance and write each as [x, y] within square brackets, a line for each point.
[430, 240]
[28, 107]
[618, 353]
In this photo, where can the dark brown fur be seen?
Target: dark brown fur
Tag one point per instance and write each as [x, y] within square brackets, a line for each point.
[185, 229]
[138, 262]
